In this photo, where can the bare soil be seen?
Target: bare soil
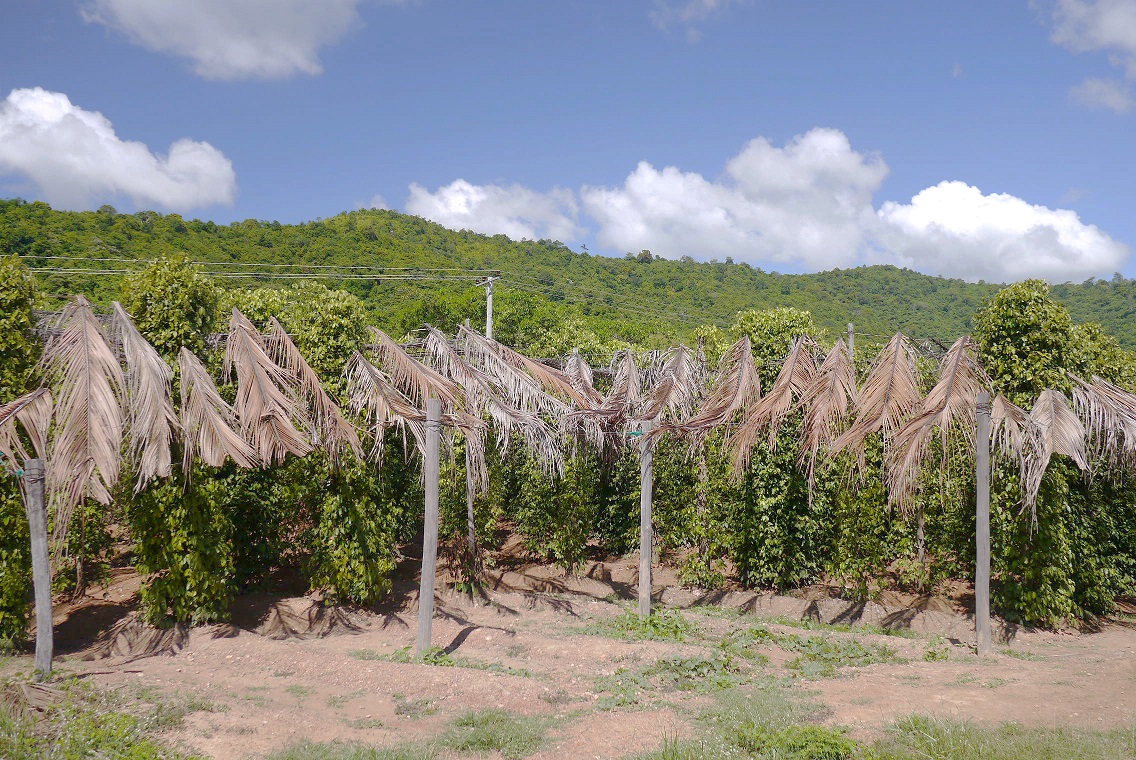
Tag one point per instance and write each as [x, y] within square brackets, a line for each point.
[290, 669]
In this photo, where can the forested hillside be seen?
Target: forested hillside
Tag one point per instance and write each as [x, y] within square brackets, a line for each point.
[637, 298]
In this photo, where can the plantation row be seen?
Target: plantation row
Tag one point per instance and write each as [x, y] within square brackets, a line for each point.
[777, 462]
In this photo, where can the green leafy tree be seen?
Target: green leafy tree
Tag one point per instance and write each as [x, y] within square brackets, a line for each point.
[1078, 556]
[172, 304]
[19, 352]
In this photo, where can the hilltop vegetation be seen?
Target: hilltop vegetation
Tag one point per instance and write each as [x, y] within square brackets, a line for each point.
[549, 295]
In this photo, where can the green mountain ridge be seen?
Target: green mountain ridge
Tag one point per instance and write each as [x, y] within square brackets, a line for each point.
[641, 298]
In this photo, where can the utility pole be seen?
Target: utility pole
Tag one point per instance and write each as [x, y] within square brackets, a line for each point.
[851, 342]
[488, 283]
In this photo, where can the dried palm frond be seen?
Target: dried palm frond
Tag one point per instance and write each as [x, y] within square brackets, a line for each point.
[497, 359]
[207, 421]
[373, 396]
[149, 381]
[580, 375]
[794, 378]
[329, 427]
[1109, 417]
[736, 387]
[33, 412]
[411, 376]
[827, 400]
[951, 403]
[611, 415]
[1018, 437]
[484, 397]
[1061, 429]
[888, 398]
[86, 451]
[677, 386]
[265, 402]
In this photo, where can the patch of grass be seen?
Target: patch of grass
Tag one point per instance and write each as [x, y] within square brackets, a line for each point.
[92, 723]
[933, 739]
[823, 656]
[440, 658]
[698, 673]
[495, 731]
[299, 691]
[1018, 654]
[516, 650]
[744, 643]
[814, 625]
[557, 698]
[795, 742]
[282, 673]
[338, 700]
[342, 751]
[362, 654]
[817, 656]
[767, 721]
[411, 708]
[938, 649]
[660, 625]
[364, 723]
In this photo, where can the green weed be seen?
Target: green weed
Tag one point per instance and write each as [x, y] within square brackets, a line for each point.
[934, 739]
[661, 625]
[698, 673]
[495, 731]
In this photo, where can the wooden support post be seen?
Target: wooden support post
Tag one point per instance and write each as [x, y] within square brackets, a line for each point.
[982, 529]
[470, 523]
[36, 508]
[646, 531]
[430, 467]
[851, 342]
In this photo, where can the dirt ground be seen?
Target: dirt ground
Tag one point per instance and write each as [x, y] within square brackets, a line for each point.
[289, 669]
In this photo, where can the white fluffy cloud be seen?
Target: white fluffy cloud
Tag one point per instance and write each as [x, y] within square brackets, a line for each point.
[1100, 25]
[809, 202]
[1110, 94]
[78, 162]
[515, 211]
[232, 39]
[953, 229]
[806, 205]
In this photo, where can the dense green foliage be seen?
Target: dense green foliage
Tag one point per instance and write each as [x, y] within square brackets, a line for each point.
[309, 525]
[1079, 555]
[591, 300]
[19, 352]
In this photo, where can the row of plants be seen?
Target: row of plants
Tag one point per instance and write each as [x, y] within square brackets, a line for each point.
[201, 537]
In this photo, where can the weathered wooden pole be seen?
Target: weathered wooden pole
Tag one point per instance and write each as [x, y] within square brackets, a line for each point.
[470, 523]
[430, 469]
[851, 341]
[982, 529]
[36, 508]
[646, 531]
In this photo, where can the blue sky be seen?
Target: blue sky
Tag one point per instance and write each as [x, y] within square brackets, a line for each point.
[981, 140]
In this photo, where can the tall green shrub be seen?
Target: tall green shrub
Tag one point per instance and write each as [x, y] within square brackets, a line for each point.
[1078, 555]
[19, 352]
